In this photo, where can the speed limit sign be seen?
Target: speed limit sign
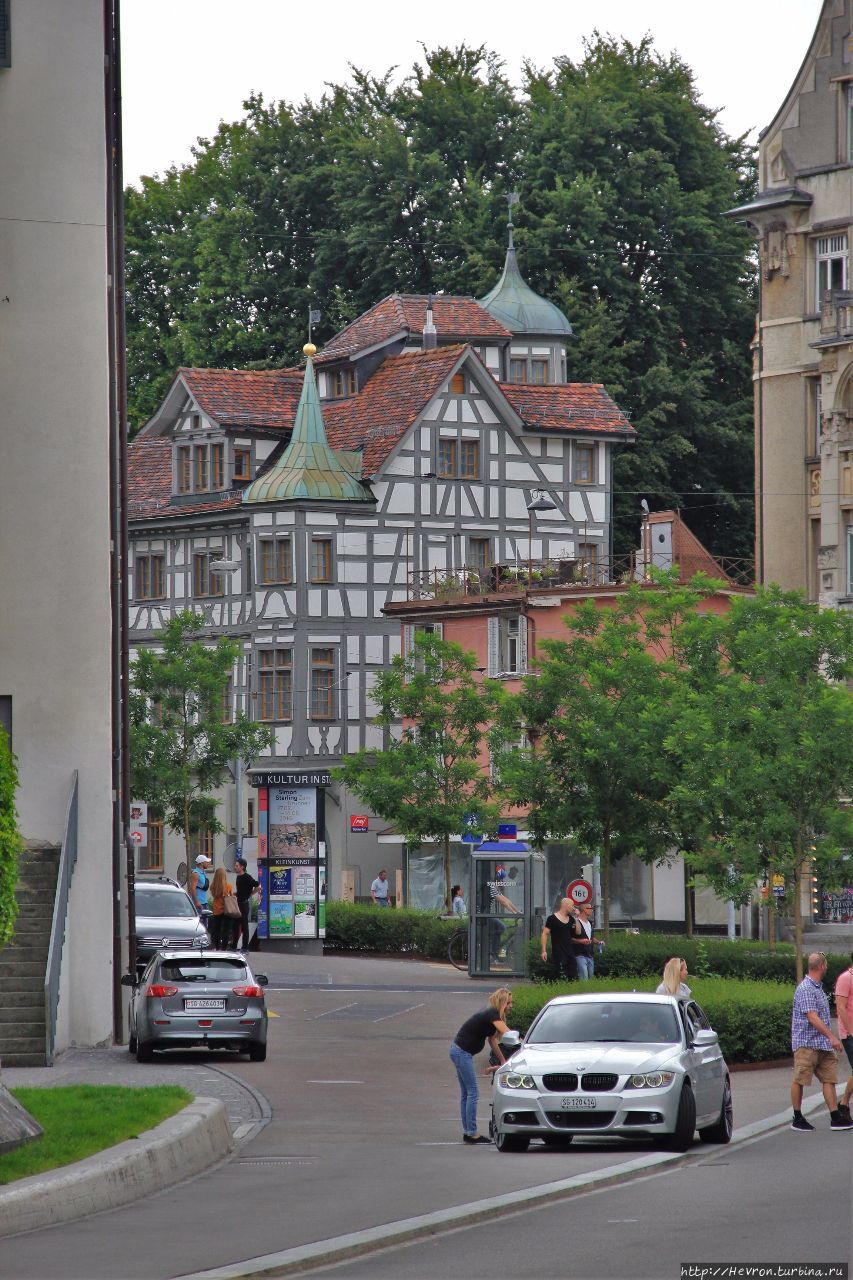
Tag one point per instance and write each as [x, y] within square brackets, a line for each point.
[580, 891]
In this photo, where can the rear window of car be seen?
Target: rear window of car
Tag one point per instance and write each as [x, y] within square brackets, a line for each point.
[163, 902]
[606, 1022]
[203, 970]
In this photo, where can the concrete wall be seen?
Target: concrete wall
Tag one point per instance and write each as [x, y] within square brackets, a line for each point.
[54, 532]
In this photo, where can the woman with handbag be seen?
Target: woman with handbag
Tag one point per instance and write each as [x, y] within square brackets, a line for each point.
[226, 912]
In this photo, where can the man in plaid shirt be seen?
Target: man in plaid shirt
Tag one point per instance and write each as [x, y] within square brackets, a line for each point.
[813, 1043]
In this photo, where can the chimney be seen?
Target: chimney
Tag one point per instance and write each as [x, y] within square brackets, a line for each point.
[430, 337]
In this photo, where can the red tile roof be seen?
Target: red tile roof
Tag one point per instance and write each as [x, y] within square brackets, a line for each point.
[149, 483]
[455, 317]
[244, 397]
[571, 406]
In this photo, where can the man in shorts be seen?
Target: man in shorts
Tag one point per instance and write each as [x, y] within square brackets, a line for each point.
[813, 1043]
[844, 1013]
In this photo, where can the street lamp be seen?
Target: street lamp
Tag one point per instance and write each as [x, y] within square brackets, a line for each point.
[539, 501]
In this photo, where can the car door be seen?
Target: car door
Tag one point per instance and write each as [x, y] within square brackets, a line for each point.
[707, 1067]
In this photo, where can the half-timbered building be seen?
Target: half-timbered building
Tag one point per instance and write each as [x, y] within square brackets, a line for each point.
[291, 506]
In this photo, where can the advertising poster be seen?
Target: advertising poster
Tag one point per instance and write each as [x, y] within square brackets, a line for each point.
[305, 920]
[306, 884]
[281, 920]
[292, 821]
[280, 881]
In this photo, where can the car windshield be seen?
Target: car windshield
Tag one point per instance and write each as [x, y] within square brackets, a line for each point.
[157, 902]
[202, 969]
[605, 1022]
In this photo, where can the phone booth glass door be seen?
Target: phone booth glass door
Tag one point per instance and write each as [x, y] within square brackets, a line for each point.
[498, 910]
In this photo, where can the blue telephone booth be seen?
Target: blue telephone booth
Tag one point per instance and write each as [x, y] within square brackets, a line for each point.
[506, 907]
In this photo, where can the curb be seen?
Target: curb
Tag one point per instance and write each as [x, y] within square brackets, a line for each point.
[180, 1147]
[406, 1230]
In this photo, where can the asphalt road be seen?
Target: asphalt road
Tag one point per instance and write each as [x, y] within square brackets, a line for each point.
[784, 1198]
[365, 1132]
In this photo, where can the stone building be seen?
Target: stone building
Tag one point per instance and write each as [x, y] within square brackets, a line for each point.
[802, 217]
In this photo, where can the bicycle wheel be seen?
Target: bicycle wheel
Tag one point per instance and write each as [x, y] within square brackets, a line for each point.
[457, 949]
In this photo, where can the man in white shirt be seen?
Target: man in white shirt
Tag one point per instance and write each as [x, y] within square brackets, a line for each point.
[379, 890]
[844, 1013]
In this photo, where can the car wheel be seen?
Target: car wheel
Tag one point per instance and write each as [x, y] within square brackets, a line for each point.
[721, 1131]
[685, 1122]
[509, 1142]
[557, 1139]
[257, 1052]
[144, 1052]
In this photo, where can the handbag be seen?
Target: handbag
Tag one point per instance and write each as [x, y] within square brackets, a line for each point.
[230, 905]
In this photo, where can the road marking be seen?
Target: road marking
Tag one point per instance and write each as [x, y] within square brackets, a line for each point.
[334, 1082]
[411, 1007]
[438, 1144]
[615, 1221]
[340, 1007]
[270, 1014]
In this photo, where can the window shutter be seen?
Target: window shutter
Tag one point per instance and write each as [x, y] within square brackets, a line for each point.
[522, 645]
[5, 35]
[494, 646]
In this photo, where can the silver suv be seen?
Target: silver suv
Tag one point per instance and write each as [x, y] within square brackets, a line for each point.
[166, 918]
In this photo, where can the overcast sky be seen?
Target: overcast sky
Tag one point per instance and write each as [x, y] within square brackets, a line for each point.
[187, 64]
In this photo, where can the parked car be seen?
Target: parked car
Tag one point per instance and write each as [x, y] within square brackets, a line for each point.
[625, 1065]
[185, 998]
[166, 916]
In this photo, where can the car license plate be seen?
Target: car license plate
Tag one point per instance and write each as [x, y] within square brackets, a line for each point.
[575, 1104]
[197, 1003]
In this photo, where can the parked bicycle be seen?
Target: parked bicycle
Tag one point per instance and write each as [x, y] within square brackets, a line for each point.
[457, 948]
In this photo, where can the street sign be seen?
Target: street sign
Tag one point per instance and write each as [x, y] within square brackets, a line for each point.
[138, 813]
[358, 822]
[138, 836]
[777, 884]
[579, 891]
[470, 832]
[507, 831]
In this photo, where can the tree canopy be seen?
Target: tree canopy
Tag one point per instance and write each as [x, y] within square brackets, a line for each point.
[383, 185]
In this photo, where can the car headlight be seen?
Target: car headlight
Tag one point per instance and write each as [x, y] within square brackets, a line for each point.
[201, 940]
[654, 1080]
[516, 1080]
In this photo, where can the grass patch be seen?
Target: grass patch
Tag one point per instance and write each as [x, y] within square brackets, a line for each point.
[80, 1119]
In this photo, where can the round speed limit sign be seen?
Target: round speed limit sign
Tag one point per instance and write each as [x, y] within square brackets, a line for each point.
[580, 891]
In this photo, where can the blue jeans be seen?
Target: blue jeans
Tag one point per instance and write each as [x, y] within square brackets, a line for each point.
[382, 902]
[586, 967]
[464, 1064]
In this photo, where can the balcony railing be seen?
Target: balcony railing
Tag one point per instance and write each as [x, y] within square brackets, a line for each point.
[836, 314]
[579, 575]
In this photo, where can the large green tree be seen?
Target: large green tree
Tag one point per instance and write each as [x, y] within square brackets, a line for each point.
[382, 185]
[431, 779]
[180, 743]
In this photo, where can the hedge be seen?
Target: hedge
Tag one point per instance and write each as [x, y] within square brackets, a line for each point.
[752, 1019]
[403, 931]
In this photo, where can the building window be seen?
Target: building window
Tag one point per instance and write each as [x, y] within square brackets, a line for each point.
[151, 855]
[446, 458]
[202, 842]
[149, 577]
[322, 683]
[850, 124]
[507, 645]
[275, 684]
[583, 463]
[457, 384]
[342, 383]
[276, 560]
[539, 372]
[202, 477]
[206, 582]
[850, 561]
[517, 370]
[458, 459]
[321, 559]
[831, 262]
[242, 464]
[469, 459]
[185, 471]
[250, 816]
[479, 553]
[535, 371]
[588, 557]
[228, 702]
[217, 466]
[815, 417]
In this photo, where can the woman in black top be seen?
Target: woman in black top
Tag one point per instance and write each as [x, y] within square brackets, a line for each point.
[246, 886]
[489, 1024]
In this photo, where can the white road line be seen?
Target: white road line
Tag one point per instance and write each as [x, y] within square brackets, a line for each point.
[340, 1007]
[334, 1082]
[411, 1007]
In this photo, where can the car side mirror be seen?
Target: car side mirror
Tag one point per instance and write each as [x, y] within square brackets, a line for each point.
[128, 980]
[511, 1040]
[704, 1037]
[262, 979]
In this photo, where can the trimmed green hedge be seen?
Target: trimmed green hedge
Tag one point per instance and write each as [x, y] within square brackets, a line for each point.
[752, 1019]
[404, 931]
[629, 955]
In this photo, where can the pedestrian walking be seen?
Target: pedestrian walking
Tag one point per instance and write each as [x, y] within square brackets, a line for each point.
[583, 940]
[558, 927]
[844, 1014]
[246, 887]
[223, 931]
[457, 902]
[673, 983]
[814, 1043]
[489, 1024]
[379, 890]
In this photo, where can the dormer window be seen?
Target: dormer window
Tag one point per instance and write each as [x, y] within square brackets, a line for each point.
[217, 466]
[534, 371]
[342, 383]
[202, 474]
[185, 471]
[242, 464]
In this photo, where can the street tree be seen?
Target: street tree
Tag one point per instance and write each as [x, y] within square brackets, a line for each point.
[182, 738]
[762, 746]
[434, 776]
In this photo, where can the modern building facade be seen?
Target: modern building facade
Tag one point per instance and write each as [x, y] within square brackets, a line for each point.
[291, 506]
[802, 217]
[55, 427]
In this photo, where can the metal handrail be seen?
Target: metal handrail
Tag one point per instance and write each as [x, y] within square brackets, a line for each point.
[67, 862]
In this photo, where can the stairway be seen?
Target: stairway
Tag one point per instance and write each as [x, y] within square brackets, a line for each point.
[23, 961]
